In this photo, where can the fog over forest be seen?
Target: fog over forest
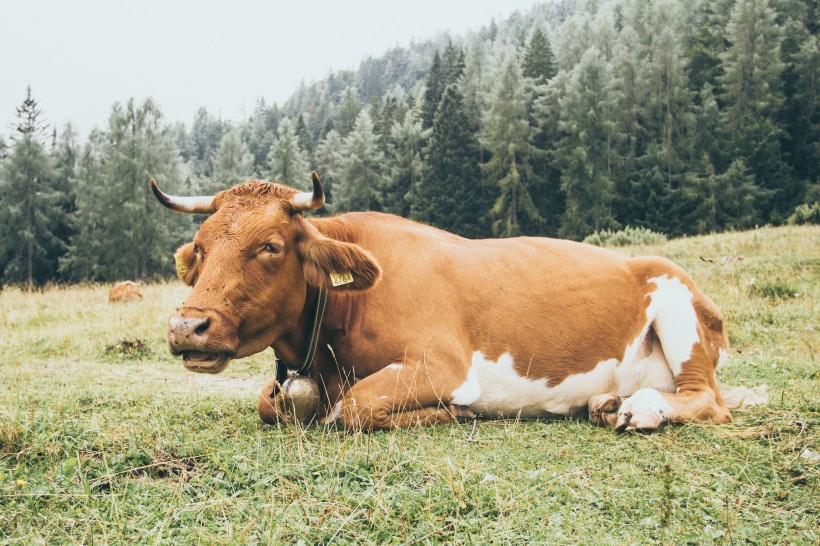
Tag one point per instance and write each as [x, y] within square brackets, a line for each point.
[677, 116]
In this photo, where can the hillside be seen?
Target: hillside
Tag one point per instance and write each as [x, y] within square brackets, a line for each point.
[125, 446]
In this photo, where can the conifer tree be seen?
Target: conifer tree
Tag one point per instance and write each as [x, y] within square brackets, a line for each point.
[752, 94]
[64, 157]
[29, 121]
[31, 208]
[287, 162]
[433, 88]
[347, 113]
[630, 92]
[29, 212]
[538, 63]
[445, 70]
[584, 152]
[304, 137]
[506, 138]
[801, 114]
[260, 133]
[450, 194]
[115, 207]
[404, 158]
[82, 261]
[360, 180]
[233, 163]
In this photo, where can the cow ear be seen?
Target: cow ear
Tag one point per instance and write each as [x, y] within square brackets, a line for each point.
[336, 265]
[187, 264]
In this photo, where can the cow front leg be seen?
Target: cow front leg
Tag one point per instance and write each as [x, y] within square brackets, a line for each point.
[403, 395]
[331, 387]
[267, 406]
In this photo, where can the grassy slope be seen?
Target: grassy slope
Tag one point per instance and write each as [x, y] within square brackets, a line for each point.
[116, 447]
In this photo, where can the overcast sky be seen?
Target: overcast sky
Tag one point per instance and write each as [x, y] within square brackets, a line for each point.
[82, 56]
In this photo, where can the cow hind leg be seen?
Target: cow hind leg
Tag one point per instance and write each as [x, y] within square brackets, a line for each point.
[691, 347]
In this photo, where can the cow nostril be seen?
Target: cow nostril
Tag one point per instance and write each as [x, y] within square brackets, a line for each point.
[202, 327]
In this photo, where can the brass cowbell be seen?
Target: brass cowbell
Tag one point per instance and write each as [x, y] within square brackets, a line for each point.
[299, 398]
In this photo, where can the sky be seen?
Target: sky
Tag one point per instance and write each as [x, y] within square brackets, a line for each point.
[82, 56]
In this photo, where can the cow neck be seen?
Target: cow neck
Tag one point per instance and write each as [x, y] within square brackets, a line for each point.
[311, 325]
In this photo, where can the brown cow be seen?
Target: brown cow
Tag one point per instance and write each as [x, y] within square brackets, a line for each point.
[124, 292]
[434, 328]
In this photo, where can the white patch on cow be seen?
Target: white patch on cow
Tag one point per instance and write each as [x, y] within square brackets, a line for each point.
[673, 316]
[647, 409]
[644, 369]
[497, 389]
[334, 414]
[396, 367]
[470, 390]
[723, 358]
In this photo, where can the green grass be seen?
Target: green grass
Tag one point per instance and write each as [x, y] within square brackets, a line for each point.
[124, 446]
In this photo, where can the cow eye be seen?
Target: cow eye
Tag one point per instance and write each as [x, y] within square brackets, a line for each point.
[272, 248]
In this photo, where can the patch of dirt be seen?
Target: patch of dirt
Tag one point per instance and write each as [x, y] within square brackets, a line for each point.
[127, 347]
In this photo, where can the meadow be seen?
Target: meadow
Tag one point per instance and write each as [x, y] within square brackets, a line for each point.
[106, 439]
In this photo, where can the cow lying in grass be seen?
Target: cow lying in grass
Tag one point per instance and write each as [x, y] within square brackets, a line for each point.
[422, 326]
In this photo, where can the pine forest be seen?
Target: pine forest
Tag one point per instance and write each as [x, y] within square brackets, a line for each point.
[573, 118]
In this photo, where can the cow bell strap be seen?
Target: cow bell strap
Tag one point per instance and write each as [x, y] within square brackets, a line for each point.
[318, 314]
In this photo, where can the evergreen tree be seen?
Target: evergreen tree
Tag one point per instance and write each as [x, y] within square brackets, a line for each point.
[445, 70]
[404, 158]
[233, 163]
[347, 113]
[260, 133]
[287, 162]
[433, 89]
[64, 157]
[752, 94]
[115, 207]
[360, 180]
[450, 194]
[707, 45]
[206, 135]
[801, 113]
[29, 121]
[82, 261]
[506, 138]
[630, 92]
[304, 137]
[668, 124]
[584, 152]
[32, 213]
[538, 63]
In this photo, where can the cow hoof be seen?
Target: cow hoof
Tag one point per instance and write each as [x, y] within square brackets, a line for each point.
[460, 414]
[644, 411]
[603, 409]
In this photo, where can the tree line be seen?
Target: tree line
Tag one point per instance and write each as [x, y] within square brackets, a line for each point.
[680, 116]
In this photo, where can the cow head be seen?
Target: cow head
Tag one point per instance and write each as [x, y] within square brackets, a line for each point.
[252, 265]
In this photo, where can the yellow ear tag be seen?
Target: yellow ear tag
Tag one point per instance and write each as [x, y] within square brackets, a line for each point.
[339, 279]
[181, 269]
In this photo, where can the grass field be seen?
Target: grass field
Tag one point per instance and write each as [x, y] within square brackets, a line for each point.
[102, 443]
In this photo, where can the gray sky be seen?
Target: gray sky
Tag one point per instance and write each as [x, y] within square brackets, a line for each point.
[82, 56]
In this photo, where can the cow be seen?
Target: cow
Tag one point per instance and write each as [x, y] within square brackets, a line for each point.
[124, 292]
[422, 326]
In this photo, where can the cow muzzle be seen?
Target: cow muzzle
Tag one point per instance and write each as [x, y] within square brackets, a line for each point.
[205, 339]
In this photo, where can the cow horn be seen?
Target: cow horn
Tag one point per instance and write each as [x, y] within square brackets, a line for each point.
[308, 200]
[200, 204]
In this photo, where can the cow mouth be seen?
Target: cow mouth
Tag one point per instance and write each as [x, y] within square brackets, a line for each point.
[198, 361]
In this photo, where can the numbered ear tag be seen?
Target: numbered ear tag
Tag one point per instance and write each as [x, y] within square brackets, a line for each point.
[339, 279]
[181, 269]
